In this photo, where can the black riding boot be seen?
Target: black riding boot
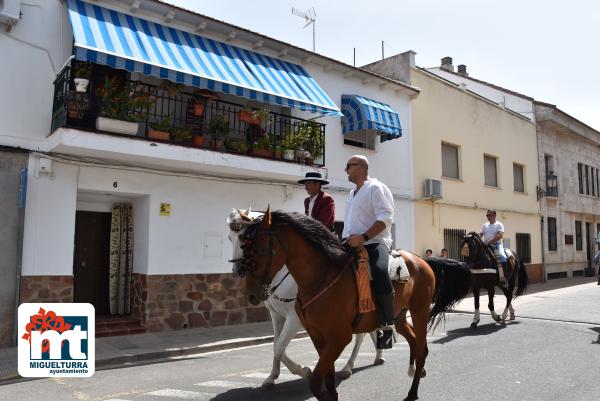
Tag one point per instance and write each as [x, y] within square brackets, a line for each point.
[386, 319]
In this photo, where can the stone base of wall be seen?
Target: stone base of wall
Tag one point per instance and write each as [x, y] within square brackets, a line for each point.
[46, 289]
[535, 273]
[172, 302]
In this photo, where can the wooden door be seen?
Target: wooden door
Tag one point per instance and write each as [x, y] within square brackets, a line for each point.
[91, 260]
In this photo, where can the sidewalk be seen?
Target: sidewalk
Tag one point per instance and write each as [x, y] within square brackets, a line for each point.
[120, 351]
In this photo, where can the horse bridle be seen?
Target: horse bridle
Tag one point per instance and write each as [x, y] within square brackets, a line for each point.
[487, 250]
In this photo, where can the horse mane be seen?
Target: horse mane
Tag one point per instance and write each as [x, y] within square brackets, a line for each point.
[485, 256]
[316, 234]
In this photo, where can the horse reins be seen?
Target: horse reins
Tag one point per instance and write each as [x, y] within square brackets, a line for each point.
[270, 291]
[337, 278]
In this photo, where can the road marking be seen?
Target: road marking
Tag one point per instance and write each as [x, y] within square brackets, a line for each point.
[260, 375]
[223, 383]
[116, 399]
[188, 395]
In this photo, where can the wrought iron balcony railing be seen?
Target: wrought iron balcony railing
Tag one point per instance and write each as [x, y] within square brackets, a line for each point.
[551, 185]
[181, 115]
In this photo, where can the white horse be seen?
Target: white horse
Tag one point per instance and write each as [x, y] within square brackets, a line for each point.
[286, 323]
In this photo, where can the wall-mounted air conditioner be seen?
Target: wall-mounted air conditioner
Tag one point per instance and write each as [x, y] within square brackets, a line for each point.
[10, 13]
[432, 188]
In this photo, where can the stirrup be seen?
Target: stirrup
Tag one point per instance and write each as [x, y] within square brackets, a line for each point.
[385, 337]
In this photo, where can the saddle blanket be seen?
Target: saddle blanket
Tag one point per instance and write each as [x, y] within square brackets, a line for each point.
[397, 267]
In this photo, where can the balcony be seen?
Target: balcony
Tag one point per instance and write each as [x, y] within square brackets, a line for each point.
[164, 112]
[552, 185]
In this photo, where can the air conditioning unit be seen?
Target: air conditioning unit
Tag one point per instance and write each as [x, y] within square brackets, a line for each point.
[10, 13]
[433, 188]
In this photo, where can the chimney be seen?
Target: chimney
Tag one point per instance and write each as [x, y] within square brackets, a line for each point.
[462, 70]
[447, 64]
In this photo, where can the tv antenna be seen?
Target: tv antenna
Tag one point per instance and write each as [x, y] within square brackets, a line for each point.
[310, 16]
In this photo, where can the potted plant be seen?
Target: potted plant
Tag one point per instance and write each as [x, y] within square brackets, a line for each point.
[121, 106]
[198, 140]
[82, 71]
[314, 141]
[254, 117]
[278, 152]
[288, 145]
[77, 104]
[182, 134]
[262, 147]
[161, 130]
[236, 145]
[218, 128]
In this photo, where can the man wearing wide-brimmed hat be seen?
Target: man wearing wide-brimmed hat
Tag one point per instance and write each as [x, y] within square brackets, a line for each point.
[319, 204]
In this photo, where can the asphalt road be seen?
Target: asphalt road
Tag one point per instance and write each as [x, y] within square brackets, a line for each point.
[551, 352]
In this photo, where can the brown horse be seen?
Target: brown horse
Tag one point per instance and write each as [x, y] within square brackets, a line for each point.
[327, 301]
[484, 267]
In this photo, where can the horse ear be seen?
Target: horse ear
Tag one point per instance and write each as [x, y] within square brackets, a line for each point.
[244, 216]
[266, 221]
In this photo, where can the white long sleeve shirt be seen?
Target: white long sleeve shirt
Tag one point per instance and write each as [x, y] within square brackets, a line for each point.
[373, 202]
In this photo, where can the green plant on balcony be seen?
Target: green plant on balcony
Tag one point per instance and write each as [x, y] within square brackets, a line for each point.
[218, 128]
[182, 134]
[120, 101]
[171, 88]
[313, 139]
[254, 117]
[81, 75]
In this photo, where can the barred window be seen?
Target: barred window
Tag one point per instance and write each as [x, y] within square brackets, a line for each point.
[453, 240]
[578, 236]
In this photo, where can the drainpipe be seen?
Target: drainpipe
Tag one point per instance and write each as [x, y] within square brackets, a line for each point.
[538, 145]
[19, 267]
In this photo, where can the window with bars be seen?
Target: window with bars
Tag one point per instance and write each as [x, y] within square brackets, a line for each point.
[580, 176]
[450, 161]
[519, 183]
[578, 236]
[490, 171]
[524, 247]
[453, 240]
[551, 233]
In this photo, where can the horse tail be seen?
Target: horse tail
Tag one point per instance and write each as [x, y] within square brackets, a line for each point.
[521, 278]
[452, 284]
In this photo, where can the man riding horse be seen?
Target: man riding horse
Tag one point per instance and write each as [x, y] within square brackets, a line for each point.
[492, 233]
[369, 217]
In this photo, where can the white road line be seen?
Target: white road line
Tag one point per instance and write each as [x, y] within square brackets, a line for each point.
[188, 395]
[116, 399]
[260, 375]
[223, 383]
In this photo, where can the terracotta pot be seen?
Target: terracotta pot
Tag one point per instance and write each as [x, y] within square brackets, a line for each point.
[74, 114]
[219, 144]
[262, 152]
[246, 117]
[198, 109]
[158, 135]
[198, 141]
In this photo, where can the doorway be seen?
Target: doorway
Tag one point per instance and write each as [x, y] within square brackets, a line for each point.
[91, 260]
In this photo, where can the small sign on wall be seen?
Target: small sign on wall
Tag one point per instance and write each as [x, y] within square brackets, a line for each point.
[165, 209]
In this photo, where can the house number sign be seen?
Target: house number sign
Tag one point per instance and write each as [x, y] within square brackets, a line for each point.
[165, 209]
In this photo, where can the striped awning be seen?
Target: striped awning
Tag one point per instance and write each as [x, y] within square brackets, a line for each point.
[362, 113]
[123, 41]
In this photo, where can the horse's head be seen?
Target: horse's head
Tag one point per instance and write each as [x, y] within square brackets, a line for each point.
[473, 248]
[254, 251]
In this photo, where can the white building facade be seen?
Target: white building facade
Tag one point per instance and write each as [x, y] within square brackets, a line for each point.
[174, 261]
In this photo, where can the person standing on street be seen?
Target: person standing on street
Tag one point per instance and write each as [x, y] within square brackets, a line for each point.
[368, 220]
[319, 204]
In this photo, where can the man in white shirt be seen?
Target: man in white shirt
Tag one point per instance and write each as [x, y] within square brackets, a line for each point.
[492, 233]
[368, 220]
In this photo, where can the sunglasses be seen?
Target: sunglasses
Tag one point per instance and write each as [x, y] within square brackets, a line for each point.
[352, 164]
[489, 215]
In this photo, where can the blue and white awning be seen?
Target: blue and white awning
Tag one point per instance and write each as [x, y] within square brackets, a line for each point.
[362, 113]
[119, 40]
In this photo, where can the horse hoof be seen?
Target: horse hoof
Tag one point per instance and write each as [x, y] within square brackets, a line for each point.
[344, 374]
[411, 371]
[267, 386]
[306, 372]
[512, 316]
[378, 361]
[473, 326]
[423, 373]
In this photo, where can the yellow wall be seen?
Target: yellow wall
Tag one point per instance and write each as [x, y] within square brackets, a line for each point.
[445, 113]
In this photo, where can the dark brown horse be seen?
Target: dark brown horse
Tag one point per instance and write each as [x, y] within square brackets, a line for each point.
[482, 261]
[327, 301]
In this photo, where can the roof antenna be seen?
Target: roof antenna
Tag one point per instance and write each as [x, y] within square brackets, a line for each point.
[310, 16]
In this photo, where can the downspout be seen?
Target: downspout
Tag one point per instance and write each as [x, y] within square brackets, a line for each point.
[538, 145]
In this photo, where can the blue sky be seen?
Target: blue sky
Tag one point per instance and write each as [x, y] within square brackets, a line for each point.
[549, 50]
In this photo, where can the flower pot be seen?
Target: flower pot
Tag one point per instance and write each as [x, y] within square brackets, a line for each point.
[278, 154]
[262, 152]
[288, 154]
[158, 135]
[81, 84]
[117, 126]
[246, 117]
[198, 109]
[198, 141]
[218, 144]
[75, 114]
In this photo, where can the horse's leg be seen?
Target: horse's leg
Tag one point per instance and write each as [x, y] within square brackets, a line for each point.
[291, 326]
[406, 330]
[491, 290]
[476, 317]
[419, 320]
[508, 293]
[512, 311]
[346, 371]
[278, 322]
[325, 368]
[379, 359]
